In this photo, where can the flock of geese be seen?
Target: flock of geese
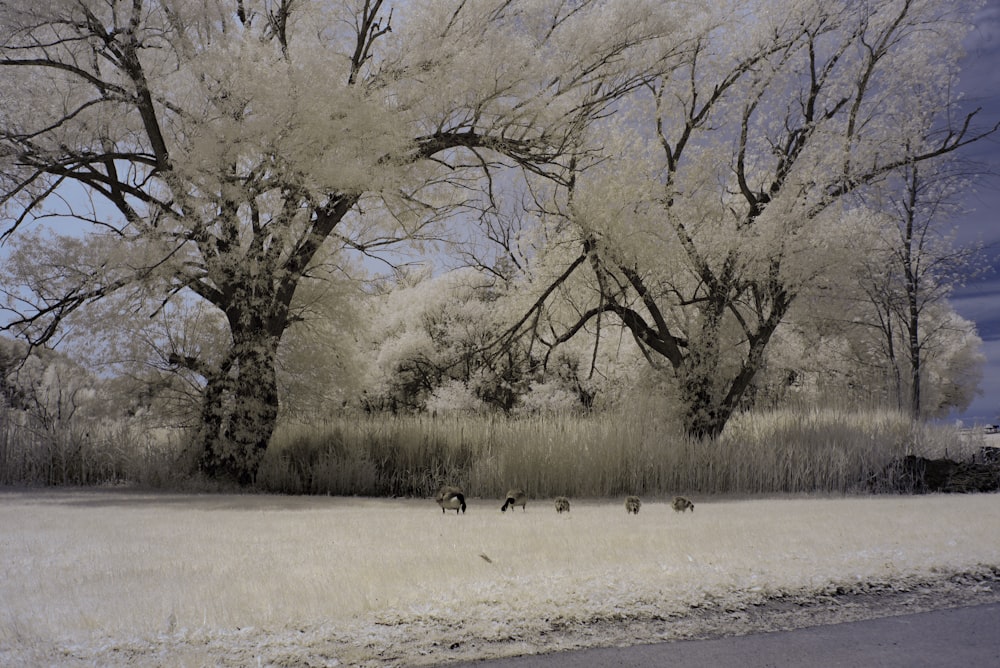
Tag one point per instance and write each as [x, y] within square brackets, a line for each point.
[452, 498]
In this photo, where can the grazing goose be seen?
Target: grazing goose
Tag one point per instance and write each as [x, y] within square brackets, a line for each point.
[451, 498]
[680, 504]
[562, 504]
[515, 497]
[632, 504]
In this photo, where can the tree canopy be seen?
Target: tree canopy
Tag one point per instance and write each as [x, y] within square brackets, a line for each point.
[246, 156]
[225, 150]
[727, 177]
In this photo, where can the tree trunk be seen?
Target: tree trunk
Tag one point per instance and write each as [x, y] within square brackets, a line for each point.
[913, 328]
[709, 403]
[911, 259]
[710, 397]
[240, 409]
[705, 415]
[705, 412]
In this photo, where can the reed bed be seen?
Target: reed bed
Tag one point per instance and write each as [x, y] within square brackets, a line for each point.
[595, 456]
[599, 455]
[81, 452]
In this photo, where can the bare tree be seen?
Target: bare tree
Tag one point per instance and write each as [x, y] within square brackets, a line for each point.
[222, 150]
[917, 267]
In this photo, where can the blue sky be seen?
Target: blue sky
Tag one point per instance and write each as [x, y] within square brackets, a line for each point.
[979, 300]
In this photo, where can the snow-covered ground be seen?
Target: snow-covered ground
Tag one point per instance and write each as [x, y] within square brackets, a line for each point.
[119, 578]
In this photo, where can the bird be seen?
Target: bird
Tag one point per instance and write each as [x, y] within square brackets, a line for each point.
[680, 504]
[451, 498]
[632, 504]
[515, 497]
[562, 504]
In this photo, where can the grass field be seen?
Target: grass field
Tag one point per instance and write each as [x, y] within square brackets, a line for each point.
[127, 578]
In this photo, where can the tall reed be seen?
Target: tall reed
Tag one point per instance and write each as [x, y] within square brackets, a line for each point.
[601, 455]
[86, 452]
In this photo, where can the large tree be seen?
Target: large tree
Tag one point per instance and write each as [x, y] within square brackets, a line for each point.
[217, 150]
[725, 181]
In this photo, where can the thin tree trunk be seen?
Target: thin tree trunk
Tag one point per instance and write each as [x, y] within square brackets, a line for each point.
[914, 344]
[912, 292]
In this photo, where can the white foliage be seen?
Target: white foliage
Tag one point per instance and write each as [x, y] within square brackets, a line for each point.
[548, 397]
[454, 397]
[727, 184]
[702, 146]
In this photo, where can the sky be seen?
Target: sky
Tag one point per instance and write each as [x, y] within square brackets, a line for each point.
[979, 299]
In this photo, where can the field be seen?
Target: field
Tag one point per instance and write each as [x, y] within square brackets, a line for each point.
[103, 577]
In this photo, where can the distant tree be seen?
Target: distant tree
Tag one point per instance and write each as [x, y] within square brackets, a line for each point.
[431, 337]
[831, 350]
[219, 150]
[725, 179]
[916, 267]
[952, 362]
[54, 394]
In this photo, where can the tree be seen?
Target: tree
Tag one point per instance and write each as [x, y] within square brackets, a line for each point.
[49, 408]
[832, 349]
[218, 150]
[726, 177]
[916, 267]
[434, 331]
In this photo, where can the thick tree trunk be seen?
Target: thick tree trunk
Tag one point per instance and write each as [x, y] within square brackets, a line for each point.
[711, 396]
[705, 416]
[240, 410]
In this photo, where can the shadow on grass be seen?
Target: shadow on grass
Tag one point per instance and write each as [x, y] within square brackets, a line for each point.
[126, 498]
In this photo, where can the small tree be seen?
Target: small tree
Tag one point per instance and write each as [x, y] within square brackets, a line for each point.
[832, 349]
[431, 332]
[916, 268]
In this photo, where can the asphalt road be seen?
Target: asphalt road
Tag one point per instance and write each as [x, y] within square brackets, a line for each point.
[966, 636]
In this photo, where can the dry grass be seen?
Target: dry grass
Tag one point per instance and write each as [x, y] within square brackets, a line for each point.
[83, 572]
[598, 456]
[81, 451]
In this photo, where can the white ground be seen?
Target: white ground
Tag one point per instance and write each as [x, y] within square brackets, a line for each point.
[119, 578]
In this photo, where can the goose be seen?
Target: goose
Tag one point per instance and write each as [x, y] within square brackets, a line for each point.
[680, 504]
[562, 504]
[451, 498]
[632, 504]
[515, 497]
